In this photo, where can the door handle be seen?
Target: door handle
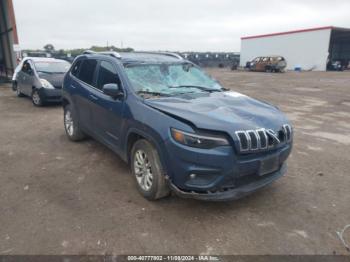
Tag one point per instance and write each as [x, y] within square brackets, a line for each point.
[94, 97]
[72, 86]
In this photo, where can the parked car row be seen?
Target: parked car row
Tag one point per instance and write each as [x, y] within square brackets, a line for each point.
[179, 129]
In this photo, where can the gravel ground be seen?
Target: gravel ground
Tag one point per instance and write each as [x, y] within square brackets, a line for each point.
[60, 197]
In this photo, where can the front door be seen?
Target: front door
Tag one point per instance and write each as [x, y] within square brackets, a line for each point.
[107, 112]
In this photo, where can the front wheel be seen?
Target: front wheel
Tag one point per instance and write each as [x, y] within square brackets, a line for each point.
[36, 98]
[148, 171]
[18, 91]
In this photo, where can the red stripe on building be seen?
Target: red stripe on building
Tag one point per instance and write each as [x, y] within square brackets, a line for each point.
[12, 17]
[289, 32]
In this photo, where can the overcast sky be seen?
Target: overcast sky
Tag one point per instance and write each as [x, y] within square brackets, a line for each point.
[177, 25]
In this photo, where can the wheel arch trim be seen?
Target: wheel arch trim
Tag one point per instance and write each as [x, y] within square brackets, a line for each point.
[149, 138]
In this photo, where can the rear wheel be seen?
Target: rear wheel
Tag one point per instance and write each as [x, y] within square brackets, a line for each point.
[36, 98]
[148, 171]
[14, 86]
[18, 91]
[71, 124]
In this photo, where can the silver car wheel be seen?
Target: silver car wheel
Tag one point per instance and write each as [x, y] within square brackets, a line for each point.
[143, 170]
[68, 123]
[36, 98]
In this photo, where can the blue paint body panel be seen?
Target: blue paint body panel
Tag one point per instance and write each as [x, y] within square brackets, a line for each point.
[222, 172]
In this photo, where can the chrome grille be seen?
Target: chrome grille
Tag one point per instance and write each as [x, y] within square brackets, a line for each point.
[262, 139]
[288, 131]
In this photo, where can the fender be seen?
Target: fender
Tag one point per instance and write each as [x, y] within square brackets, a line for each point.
[67, 97]
[151, 136]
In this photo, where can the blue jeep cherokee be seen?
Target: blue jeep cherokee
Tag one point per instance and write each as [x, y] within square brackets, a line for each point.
[179, 129]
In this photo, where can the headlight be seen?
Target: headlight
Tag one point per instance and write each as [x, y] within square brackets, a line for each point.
[199, 141]
[46, 84]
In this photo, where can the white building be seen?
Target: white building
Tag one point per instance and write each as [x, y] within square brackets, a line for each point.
[307, 48]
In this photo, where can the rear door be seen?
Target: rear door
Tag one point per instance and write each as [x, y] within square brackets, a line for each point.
[265, 62]
[25, 78]
[107, 112]
[19, 77]
[81, 86]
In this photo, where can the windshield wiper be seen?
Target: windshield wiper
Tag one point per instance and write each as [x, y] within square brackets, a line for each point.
[43, 71]
[203, 88]
[152, 93]
[51, 72]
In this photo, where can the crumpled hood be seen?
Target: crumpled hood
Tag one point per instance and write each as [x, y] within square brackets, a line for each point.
[55, 79]
[222, 111]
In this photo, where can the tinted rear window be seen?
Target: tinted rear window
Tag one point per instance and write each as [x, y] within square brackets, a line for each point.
[87, 70]
[52, 67]
[75, 68]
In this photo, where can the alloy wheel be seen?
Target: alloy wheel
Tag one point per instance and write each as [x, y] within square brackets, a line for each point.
[143, 170]
[36, 98]
[68, 123]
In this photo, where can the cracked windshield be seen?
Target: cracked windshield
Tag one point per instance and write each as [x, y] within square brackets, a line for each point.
[170, 79]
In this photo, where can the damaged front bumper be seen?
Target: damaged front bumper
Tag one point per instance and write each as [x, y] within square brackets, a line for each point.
[234, 193]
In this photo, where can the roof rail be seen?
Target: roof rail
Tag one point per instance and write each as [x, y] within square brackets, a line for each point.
[110, 53]
[162, 53]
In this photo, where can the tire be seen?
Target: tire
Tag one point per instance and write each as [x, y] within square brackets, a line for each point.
[37, 100]
[71, 124]
[14, 86]
[18, 92]
[148, 171]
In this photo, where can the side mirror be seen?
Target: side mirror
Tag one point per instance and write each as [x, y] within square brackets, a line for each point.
[113, 90]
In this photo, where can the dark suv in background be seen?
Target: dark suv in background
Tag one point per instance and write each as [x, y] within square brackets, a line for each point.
[178, 128]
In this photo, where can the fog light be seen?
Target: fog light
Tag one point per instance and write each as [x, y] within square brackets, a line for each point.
[193, 176]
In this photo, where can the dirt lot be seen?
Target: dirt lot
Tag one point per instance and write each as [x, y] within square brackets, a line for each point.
[60, 197]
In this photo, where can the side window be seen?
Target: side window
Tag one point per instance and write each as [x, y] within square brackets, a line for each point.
[26, 67]
[107, 75]
[87, 70]
[75, 68]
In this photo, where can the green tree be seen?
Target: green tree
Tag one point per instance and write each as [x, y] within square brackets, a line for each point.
[49, 48]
